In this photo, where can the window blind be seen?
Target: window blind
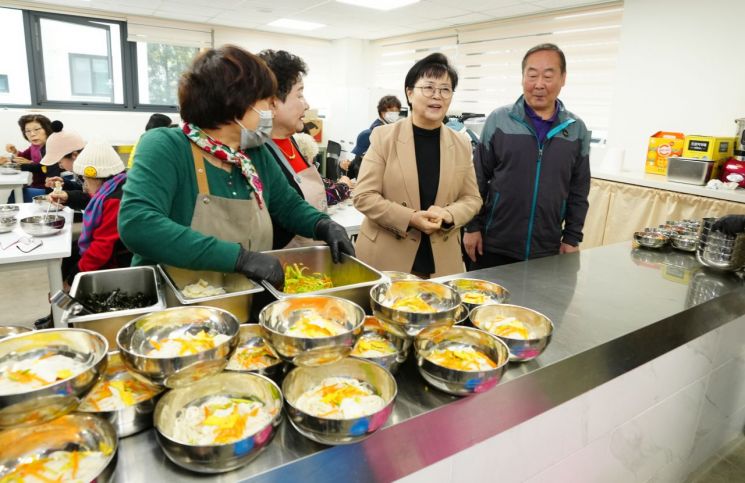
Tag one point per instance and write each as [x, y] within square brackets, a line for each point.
[488, 59]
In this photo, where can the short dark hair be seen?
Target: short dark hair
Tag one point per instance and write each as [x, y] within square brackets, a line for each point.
[434, 65]
[387, 102]
[44, 121]
[222, 84]
[287, 68]
[158, 120]
[550, 48]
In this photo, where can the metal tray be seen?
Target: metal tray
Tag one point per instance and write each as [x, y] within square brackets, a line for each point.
[689, 170]
[237, 298]
[131, 280]
[352, 278]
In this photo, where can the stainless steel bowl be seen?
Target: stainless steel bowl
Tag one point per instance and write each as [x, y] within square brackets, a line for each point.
[444, 299]
[42, 203]
[338, 431]
[7, 210]
[220, 457]
[372, 328]
[61, 397]
[687, 243]
[43, 225]
[251, 336]
[7, 223]
[11, 330]
[453, 381]
[650, 239]
[279, 316]
[126, 420]
[10, 168]
[73, 432]
[493, 292]
[520, 349]
[394, 275]
[134, 343]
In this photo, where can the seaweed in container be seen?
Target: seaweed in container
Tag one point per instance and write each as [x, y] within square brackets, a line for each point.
[117, 300]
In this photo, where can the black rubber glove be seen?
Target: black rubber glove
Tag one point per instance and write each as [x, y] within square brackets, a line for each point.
[335, 236]
[730, 224]
[260, 266]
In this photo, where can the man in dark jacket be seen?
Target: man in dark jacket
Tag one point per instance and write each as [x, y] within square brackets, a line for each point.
[533, 170]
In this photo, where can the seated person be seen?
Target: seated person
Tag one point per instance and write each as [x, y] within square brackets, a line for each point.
[63, 148]
[99, 245]
[35, 129]
[389, 108]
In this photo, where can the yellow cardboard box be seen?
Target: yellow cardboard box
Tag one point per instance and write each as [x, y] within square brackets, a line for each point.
[662, 145]
[716, 148]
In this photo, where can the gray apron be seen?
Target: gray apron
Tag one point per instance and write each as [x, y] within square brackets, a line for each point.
[240, 221]
[311, 185]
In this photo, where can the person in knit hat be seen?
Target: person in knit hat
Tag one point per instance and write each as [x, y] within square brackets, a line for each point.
[99, 245]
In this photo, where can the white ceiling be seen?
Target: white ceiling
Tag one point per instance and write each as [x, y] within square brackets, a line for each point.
[341, 20]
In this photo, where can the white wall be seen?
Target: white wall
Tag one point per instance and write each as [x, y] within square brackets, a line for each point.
[678, 70]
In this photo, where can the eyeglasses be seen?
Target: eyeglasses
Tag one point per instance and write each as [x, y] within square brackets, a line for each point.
[429, 91]
[32, 131]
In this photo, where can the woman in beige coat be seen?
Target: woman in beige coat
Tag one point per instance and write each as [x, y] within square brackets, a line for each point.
[417, 185]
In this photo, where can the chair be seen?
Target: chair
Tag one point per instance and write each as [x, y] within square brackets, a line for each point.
[333, 150]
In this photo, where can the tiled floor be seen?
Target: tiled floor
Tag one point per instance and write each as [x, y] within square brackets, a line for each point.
[727, 466]
[23, 296]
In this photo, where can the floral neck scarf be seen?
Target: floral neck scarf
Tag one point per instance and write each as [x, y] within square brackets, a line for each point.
[227, 154]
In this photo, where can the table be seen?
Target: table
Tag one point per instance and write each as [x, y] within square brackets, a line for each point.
[614, 308]
[15, 182]
[50, 254]
[346, 215]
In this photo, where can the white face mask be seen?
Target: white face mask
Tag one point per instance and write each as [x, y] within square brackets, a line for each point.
[390, 117]
[251, 138]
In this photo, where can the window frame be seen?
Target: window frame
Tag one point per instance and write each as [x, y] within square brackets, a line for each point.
[35, 63]
[73, 56]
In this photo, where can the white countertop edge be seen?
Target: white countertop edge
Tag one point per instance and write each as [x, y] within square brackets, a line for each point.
[660, 182]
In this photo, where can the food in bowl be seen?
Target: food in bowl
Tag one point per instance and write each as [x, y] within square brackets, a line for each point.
[473, 297]
[221, 419]
[509, 327]
[371, 345]
[200, 289]
[413, 303]
[253, 358]
[34, 373]
[461, 357]
[179, 343]
[297, 281]
[117, 389]
[340, 398]
[315, 326]
[69, 466]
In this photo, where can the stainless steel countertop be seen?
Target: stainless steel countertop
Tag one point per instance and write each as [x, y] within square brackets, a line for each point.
[614, 309]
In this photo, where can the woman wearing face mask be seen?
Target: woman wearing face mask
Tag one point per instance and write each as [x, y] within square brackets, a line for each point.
[289, 109]
[389, 111]
[203, 196]
[417, 185]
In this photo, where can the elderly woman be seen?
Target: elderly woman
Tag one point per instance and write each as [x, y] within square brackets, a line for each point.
[35, 129]
[417, 185]
[289, 109]
[203, 196]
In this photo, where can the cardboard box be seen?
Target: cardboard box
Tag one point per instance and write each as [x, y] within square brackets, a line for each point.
[715, 148]
[662, 145]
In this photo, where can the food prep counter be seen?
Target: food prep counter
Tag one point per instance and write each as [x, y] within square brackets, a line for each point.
[614, 309]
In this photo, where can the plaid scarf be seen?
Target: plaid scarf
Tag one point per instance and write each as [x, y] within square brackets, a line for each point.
[227, 154]
[94, 210]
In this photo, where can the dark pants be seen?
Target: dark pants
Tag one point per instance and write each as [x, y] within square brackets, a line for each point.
[488, 260]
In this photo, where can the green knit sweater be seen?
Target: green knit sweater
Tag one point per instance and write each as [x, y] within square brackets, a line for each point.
[160, 193]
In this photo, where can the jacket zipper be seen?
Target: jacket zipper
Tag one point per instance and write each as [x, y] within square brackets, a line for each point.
[541, 146]
[491, 212]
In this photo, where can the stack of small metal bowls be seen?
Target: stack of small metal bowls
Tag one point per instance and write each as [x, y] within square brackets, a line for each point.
[718, 250]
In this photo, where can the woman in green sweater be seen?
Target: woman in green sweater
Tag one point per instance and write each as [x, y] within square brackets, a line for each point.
[204, 196]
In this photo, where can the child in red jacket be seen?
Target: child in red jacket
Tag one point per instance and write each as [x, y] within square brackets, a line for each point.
[99, 244]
